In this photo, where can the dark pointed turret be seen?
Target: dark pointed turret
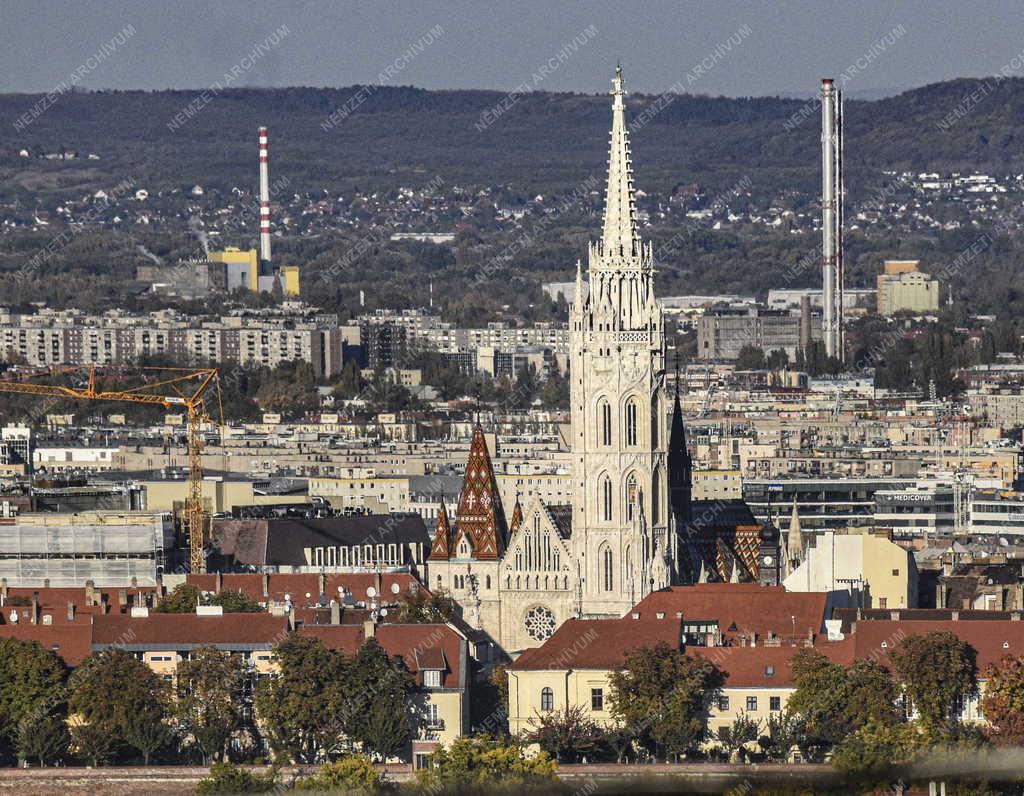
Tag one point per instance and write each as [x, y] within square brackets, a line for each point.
[680, 467]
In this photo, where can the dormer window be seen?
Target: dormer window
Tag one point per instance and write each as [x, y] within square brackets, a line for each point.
[432, 678]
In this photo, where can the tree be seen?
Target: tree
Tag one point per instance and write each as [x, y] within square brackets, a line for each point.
[377, 709]
[107, 690]
[938, 672]
[424, 608]
[302, 708]
[182, 599]
[147, 731]
[208, 701]
[834, 701]
[94, 742]
[735, 737]
[783, 732]
[566, 735]
[777, 359]
[483, 764]
[750, 357]
[350, 774]
[662, 696]
[31, 684]
[555, 394]
[229, 779]
[236, 602]
[43, 739]
[1003, 701]
[875, 748]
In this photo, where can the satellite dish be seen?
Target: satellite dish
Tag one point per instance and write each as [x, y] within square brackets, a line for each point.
[383, 611]
[14, 617]
[371, 592]
[395, 588]
[341, 590]
[287, 598]
[308, 595]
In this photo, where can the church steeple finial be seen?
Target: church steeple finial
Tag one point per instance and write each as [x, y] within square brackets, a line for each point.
[620, 236]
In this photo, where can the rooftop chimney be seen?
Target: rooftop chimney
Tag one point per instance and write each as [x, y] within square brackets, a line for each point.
[264, 197]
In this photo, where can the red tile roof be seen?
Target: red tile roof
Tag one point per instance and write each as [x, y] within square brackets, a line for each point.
[298, 585]
[420, 646]
[987, 638]
[741, 609]
[54, 601]
[599, 643]
[72, 642]
[177, 629]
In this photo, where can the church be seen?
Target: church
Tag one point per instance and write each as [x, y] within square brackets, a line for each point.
[632, 527]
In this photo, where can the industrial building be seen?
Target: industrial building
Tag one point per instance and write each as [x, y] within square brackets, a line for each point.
[723, 333]
[903, 288]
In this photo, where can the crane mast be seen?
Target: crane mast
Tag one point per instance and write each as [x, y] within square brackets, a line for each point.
[177, 389]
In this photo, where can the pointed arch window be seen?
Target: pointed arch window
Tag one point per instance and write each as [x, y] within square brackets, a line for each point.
[606, 499]
[632, 495]
[607, 569]
[631, 415]
[655, 420]
[656, 498]
[604, 418]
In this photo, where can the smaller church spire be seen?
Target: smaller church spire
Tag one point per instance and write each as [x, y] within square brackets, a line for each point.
[680, 467]
[795, 539]
[441, 549]
[517, 517]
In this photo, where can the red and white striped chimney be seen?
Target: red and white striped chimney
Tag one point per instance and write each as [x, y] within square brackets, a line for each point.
[264, 197]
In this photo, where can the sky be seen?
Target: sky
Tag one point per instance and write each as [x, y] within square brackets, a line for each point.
[710, 47]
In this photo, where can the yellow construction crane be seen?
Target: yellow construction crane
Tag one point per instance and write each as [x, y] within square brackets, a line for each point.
[189, 388]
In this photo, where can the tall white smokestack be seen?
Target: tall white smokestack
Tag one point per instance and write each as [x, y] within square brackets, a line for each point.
[264, 197]
[831, 219]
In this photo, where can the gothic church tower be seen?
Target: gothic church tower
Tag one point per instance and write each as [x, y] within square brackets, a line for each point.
[623, 539]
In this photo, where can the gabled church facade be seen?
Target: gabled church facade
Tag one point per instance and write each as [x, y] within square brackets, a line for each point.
[616, 542]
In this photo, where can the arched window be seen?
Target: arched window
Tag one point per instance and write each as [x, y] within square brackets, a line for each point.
[606, 499]
[655, 420]
[604, 419]
[627, 568]
[631, 497]
[607, 572]
[656, 498]
[547, 700]
[631, 422]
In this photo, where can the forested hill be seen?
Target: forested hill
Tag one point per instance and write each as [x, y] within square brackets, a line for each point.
[535, 142]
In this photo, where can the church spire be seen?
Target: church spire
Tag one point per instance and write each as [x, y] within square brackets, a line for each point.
[795, 539]
[620, 236]
[680, 467]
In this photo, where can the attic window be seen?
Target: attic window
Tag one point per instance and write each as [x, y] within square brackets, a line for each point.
[432, 678]
[660, 614]
[885, 645]
[769, 670]
[1006, 645]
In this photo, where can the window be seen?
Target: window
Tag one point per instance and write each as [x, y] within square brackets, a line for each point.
[631, 497]
[723, 704]
[751, 704]
[604, 415]
[433, 715]
[882, 602]
[775, 703]
[547, 699]
[631, 422]
[432, 678]
[895, 573]
[607, 572]
[606, 499]
[422, 760]
[597, 699]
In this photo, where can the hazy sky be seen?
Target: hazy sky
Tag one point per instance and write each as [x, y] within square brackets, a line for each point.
[748, 48]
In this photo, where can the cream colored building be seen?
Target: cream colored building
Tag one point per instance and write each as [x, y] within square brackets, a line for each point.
[902, 287]
[361, 488]
[857, 569]
[717, 485]
[219, 496]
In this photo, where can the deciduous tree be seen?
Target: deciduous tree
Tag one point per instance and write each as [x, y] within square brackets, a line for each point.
[31, 684]
[566, 735]
[938, 671]
[377, 705]
[209, 693]
[662, 697]
[484, 764]
[44, 739]
[1003, 701]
